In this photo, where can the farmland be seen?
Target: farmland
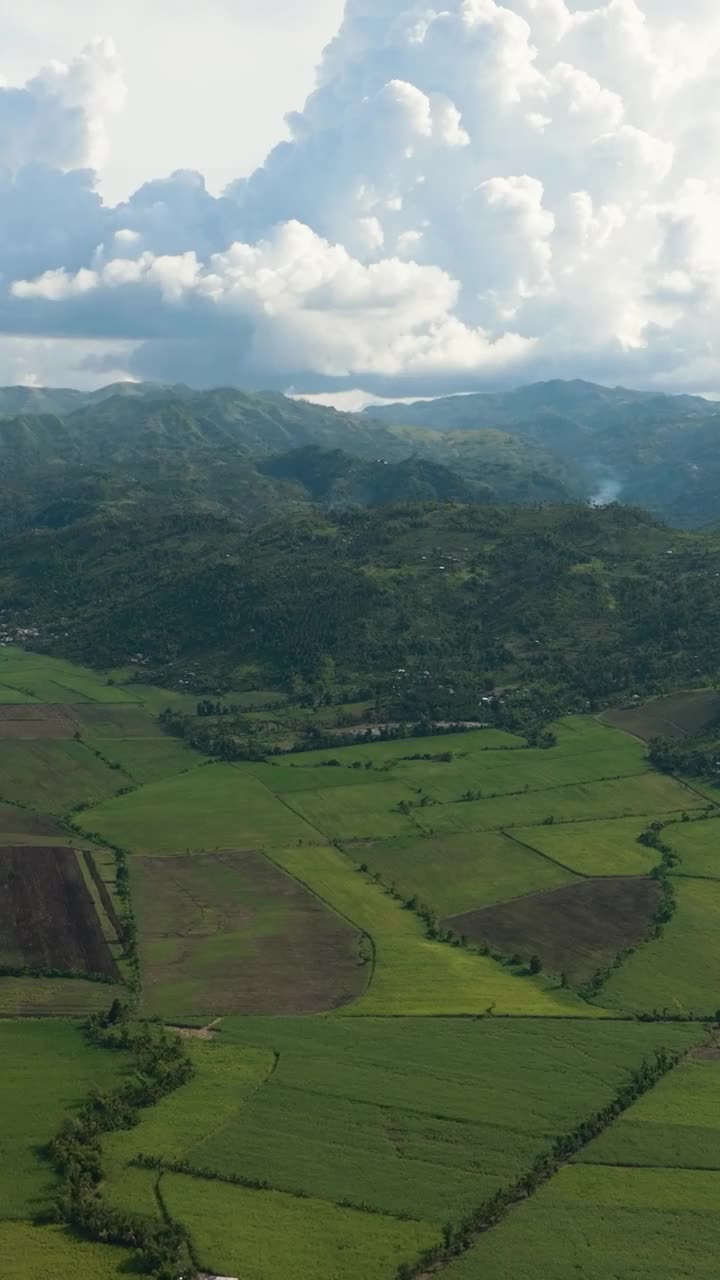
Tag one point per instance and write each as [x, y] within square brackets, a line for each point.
[220, 806]
[677, 1125]
[413, 1117]
[596, 1223]
[48, 1070]
[679, 971]
[457, 871]
[233, 933]
[381, 952]
[278, 1235]
[677, 715]
[574, 931]
[47, 915]
[30, 1252]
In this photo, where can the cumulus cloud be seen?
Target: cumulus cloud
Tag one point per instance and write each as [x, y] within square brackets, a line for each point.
[489, 190]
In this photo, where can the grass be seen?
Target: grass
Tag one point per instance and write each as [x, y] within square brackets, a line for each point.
[698, 844]
[285, 779]
[623, 797]
[356, 812]
[411, 974]
[8, 695]
[47, 1069]
[676, 1125]
[496, 773]
[31, 1252]
[109, 720]
[456, 872]
[592, 1224]
[54, 997]
[54, 776]
[264, 1235]
[55, 679]
[418, 1116]
[147, 760]
[595, 848]
[233, 933]
[215, 807]
[680, 971]
[473, 740]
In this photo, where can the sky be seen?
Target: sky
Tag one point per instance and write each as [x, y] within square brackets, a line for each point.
[381, 200]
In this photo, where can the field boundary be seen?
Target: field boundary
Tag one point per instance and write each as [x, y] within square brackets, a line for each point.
[544, 1168]
[340, 914]
[188, 1170]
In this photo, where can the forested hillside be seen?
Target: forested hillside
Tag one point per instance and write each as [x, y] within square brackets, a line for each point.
[63, 451]
[657, 451]
[594, 602]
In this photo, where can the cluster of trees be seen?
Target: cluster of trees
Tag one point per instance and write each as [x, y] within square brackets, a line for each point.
[161, 1065]
[694, 757]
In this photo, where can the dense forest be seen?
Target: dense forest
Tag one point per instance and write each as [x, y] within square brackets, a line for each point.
[433, 605]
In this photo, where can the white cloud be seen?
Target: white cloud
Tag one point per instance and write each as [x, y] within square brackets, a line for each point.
[488, 189]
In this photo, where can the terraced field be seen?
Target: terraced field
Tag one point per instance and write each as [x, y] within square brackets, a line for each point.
[484, 953]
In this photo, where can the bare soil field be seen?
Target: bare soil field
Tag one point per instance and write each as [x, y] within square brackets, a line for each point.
[36, 720]
[233, 933]
[679, 715]
[575, 930]
[47, 917]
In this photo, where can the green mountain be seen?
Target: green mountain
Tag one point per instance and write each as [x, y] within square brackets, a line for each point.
[657, 451]
[214, 447]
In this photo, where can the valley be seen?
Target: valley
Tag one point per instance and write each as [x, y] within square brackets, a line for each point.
[459, 992]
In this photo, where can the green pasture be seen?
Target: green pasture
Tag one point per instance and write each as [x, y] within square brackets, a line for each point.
[54, 776]
[676, 1124]
[100, 721]
[31, 1252]
[592, 1224]
[47, 1070]
[265, 1234]
[356, 813]
[54, 997]
[698, 844]
[411, 974]
[45, 679]
[217, 806]
[595, 848]
[147, 760]
[13, 696]
[679, 971]
[471, 740]
[225, 1078]
[496, 773]
[622, 797]
[455, 873]
[284, 779]
[420, 1116]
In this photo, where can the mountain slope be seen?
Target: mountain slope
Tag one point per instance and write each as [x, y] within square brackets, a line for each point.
[212, 447]
[591, 602]
[653, 450]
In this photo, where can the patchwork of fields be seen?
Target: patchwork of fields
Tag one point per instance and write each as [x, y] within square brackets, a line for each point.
[408, 968]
